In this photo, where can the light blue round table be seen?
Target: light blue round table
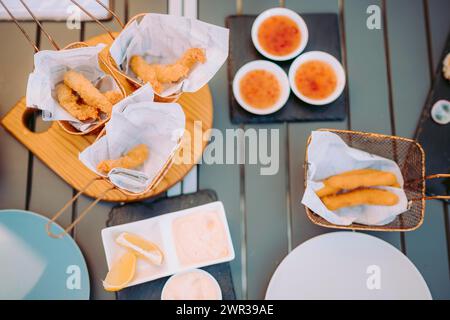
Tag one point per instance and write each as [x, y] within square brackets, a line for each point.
[36, 266]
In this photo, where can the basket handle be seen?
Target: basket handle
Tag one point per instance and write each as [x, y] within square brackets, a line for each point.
[48, 226]
[134, 19]
[435, 176]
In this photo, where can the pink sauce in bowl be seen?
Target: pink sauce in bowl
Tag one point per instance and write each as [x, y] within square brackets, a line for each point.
[200, 238]
[192, 285]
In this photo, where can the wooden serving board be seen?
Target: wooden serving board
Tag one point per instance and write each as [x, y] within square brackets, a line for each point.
[59, 150]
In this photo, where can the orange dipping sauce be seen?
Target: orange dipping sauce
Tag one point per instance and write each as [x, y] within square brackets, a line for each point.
[316, 79]
[279, 35]
[260, 89]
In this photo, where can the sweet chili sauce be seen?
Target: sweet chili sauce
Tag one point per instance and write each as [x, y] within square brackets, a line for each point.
[260, 89]
[316, 79]
[279, 35]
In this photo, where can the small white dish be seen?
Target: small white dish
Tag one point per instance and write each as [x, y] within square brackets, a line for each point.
[321, 56]
[440, 112]
[201, 272]
[280, 12]
[159, 230]
[267, 66]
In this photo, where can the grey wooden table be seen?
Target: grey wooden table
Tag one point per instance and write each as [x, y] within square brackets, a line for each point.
[389, 73]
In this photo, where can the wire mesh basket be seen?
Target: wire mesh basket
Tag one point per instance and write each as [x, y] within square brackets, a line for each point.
[409, 156]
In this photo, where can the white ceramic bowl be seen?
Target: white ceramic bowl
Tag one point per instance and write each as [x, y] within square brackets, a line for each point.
[203, 272]
[280, 12]
[270, 67]
[321, 56]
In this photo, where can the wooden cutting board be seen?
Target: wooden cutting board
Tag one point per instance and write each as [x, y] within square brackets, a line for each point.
[59, 150]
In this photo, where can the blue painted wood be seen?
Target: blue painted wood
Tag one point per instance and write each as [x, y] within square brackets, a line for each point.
[222, 178]
[426, 247]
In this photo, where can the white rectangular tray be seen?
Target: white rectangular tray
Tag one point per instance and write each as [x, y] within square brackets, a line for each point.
[159, 231]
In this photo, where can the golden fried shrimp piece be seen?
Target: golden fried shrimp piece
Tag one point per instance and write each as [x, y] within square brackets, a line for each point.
[69, 101]
[360, 197]
[113, 96]
[361, 178]
[329, 190]
[145, 72]
[180, 69]
[134, 158]
[87, 91]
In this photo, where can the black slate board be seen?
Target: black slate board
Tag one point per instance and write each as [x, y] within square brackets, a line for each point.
[324, 35]
[435, 138]
[139, 211]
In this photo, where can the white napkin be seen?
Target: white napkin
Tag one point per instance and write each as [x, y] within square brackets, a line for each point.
[49, 69]
[164, 38]
[329, 155]
[137, 121]
[54, 10]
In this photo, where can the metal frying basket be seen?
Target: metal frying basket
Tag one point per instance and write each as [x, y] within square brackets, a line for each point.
[409, 156]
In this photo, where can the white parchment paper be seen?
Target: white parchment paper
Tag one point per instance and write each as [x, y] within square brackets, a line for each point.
[329, 155]
[138, 120]
[49, 69]
[164, 38]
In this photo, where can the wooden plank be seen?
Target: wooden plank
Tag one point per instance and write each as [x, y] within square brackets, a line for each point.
[302, 228]
[224, 179]
[368, 85]
[16, 62]
[426, 247]
[87, 232]
[49, 200]
[265, 200]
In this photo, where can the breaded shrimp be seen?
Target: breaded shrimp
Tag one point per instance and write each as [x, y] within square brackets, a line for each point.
[87, 91]
[360, 197]
[180, 69]
[132, 159]
[145, 72]
[69, 101]
[113, 96]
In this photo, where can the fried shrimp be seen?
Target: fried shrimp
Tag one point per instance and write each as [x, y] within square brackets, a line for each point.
[87, 91]
[132, 159]
[113, 96]
[360, 197]
[180, 69]
[361, 178]
[70, 102]
[158, 74]
[145, 72]
[355, 179]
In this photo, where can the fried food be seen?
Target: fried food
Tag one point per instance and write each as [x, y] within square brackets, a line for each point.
[180, 69]
[158, 74]
[357, 178]
[113, 96]
[145, 72]
[360, 197]
[87, 91]
[133, 159]
[70, 102]
[361, 178]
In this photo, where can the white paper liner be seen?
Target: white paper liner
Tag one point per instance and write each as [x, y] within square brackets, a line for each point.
[49, 69]
[164, 38]
[329, 155]
[138, 120]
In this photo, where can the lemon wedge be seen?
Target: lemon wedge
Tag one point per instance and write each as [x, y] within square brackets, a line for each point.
[142, 247]
[121, 272]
